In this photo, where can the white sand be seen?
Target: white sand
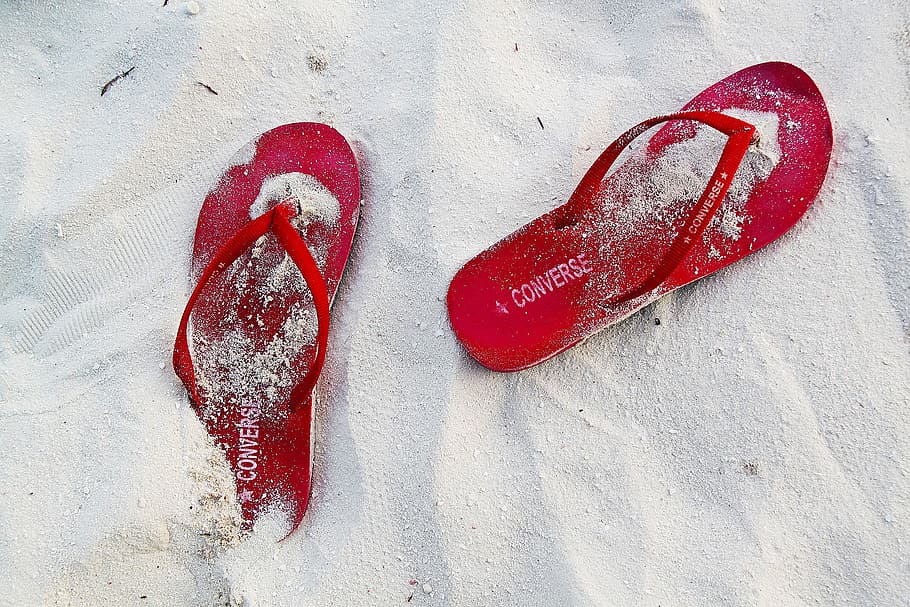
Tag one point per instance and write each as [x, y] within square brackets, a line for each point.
[752, 449]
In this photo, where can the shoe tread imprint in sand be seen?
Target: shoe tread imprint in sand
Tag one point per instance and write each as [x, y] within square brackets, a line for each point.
[79, 291]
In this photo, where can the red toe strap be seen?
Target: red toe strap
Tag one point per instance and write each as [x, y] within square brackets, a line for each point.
[278, 222]
[740, 136]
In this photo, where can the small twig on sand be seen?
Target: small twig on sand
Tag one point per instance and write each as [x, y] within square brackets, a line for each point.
[516, 47]
[207, 87]
[540, 122]
[111, 82]
[165, 3]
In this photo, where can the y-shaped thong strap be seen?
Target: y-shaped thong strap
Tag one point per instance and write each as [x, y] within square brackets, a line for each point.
[740, 135]
[278, 221]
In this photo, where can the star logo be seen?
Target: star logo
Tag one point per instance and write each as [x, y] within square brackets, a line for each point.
[502, 308]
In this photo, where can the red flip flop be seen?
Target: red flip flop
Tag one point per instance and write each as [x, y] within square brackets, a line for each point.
[272, 242]
[653, 225]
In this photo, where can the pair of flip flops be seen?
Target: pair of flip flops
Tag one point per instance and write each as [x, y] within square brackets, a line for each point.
[275, 233]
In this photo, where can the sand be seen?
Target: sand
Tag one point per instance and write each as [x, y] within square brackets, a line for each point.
[750, 449]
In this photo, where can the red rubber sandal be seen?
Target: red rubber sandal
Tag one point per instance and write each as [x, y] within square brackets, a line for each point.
[271, 245]
[624, 240]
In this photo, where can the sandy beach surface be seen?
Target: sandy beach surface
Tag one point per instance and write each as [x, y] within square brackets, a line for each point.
[751, 448]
